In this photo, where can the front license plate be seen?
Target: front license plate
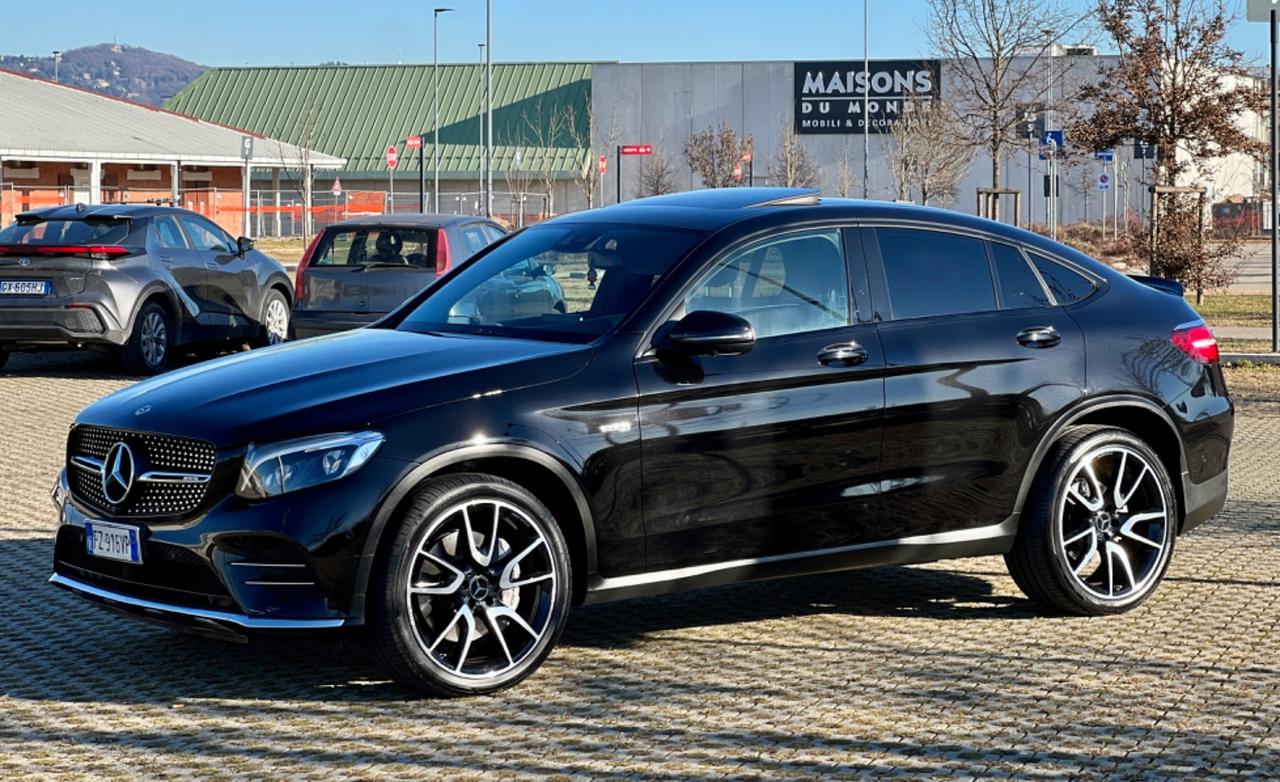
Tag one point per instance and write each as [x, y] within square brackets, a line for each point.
[24, 287]
[112, 541]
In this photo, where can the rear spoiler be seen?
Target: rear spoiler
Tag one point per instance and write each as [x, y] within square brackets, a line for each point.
[1161, 284]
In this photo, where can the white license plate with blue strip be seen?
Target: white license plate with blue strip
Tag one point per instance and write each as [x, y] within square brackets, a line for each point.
[25, 287]
[112, 541]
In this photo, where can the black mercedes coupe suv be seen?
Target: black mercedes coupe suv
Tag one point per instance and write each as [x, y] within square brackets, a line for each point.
[745, 384]
[136, 279]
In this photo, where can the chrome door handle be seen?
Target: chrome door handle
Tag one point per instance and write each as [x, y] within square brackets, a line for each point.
[843, 354]
[1039, 337]
[166, 259]
[210, 265]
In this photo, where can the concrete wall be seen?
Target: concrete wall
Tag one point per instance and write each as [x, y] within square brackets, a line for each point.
[665, 103]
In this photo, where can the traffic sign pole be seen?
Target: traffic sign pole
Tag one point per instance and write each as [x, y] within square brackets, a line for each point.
[1275, 207]
[618, 173]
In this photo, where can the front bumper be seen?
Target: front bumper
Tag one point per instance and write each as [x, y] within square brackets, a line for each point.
[200, 620]
[286, 563]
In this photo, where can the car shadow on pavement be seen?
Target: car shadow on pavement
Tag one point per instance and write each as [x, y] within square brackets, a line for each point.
[51, 635]
[94, 365]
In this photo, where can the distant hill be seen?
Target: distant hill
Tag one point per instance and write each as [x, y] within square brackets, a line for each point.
[113, 69]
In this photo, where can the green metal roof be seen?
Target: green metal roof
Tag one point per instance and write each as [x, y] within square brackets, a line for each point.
[357, 111]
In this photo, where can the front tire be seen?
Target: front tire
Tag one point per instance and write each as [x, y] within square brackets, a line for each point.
[148, 348]
[1098, 528]
[473, 590]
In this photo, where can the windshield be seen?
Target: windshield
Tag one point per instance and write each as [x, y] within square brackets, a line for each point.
[100, 231]
[563, 282]
[376, 245]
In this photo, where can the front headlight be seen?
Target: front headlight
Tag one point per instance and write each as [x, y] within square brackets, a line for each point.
[276, 468]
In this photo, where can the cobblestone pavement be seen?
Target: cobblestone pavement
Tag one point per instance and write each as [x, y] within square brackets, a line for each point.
[938, 670]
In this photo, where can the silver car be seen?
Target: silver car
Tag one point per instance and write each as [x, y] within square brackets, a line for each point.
[134, 279]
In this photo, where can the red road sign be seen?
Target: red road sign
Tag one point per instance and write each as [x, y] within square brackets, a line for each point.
[604, 165]
[746, 156]
[413, 142]
[637, 149]
[337, 186]
[392, 157]
[737, 171]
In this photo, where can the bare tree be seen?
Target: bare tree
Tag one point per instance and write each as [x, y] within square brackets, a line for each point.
[791, 165]
[1180, 87]
[996, 47]
[929, 153]
[589, 139]
[546, 128]
[657, 175]
[844, 172]
[714, 152]
[304, 141]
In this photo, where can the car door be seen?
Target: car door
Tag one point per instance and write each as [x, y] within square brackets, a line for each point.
[775, 451]
[979, 362]
[230, 279]
[169, 247]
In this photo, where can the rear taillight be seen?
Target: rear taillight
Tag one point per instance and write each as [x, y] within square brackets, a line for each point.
[99, 252]
[442, 252]
[302, 266]
[1197, 341]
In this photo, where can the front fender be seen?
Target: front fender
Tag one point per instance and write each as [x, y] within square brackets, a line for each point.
[446, 457]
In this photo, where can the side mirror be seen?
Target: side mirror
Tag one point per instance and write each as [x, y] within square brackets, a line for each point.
[709, 333]
[243, 245]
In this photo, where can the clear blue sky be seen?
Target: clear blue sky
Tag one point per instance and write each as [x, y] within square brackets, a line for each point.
[280, 32]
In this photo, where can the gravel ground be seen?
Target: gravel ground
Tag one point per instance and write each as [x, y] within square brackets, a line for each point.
[930, 671]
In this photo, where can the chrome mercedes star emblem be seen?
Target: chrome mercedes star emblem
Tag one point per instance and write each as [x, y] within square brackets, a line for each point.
[117, 473]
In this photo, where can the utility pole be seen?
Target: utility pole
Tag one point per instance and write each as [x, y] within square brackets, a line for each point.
[488, 100]
[479, 111]
[57, 60]
[435, 104]
[866, 98]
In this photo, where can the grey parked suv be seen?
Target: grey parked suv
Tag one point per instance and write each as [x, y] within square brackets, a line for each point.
[133, 278]
[358, 270]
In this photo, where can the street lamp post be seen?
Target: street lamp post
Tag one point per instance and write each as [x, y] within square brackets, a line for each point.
[435, 105]
[57, 60]
[479, 109]
[488, 108]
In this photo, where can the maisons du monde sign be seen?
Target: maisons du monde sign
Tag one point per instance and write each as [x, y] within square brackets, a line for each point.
[830, 96]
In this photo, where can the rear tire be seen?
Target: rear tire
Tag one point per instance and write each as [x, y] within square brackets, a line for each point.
[472, 590]
[276, 320]
[148, 348]
[1098, 528]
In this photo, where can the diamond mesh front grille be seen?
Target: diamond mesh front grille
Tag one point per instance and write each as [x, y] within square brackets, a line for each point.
[153, 452]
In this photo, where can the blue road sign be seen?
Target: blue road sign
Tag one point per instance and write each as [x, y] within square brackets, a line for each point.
[1105, 155]
[1051, 142]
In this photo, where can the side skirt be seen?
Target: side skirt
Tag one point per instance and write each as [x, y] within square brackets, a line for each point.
[975, 542]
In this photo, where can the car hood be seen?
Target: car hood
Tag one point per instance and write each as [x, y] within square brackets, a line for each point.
[334, 383]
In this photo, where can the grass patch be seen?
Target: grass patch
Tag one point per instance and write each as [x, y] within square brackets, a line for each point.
[287, 250]
[1229, 345]
[1235, 309]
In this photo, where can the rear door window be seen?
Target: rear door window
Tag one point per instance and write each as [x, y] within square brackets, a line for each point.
[931, 273]
[377, 246]
[474, 238]
[1019, 286]
[1068, 286]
